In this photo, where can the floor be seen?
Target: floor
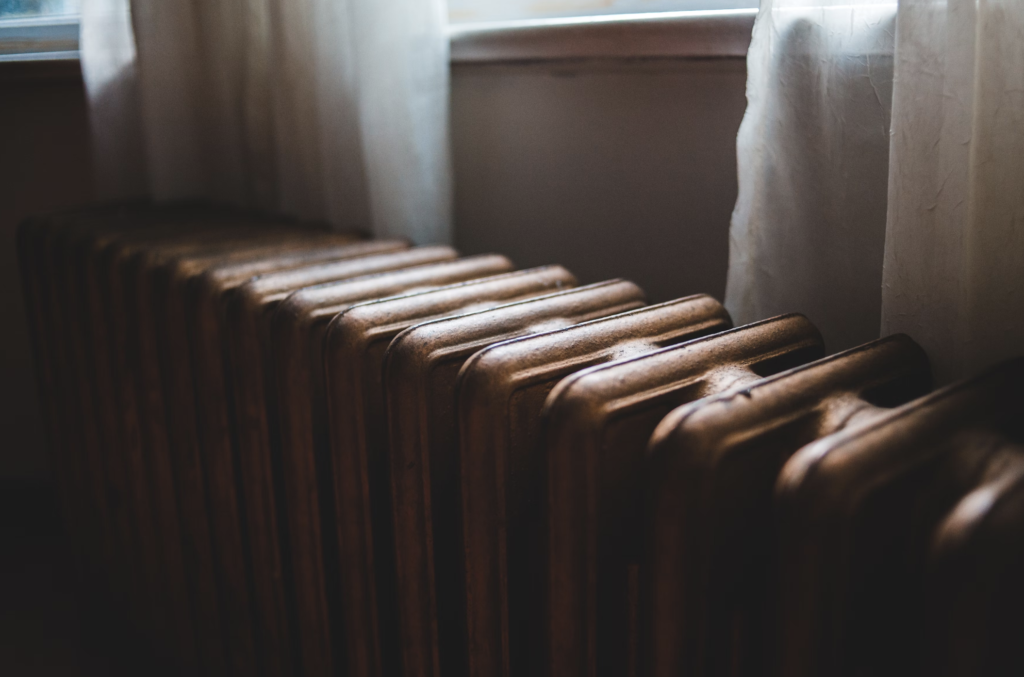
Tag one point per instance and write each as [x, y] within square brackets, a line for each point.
[46, 627]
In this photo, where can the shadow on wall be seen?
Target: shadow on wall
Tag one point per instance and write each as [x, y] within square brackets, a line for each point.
[613, 170]
[44, 166]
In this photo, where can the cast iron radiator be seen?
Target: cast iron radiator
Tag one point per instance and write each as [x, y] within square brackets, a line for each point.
[284, 451]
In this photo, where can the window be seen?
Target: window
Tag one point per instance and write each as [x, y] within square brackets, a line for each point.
[472, 11]
[38, 29]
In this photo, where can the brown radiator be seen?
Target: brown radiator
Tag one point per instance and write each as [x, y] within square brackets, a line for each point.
[287, 451]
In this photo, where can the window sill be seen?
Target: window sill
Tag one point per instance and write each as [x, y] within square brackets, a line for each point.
[69, 55]
[723, 34]
[38, 37]
[39, 48]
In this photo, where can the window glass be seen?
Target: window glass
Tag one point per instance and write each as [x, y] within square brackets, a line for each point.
[21, 9]
[38, 29]
[461, 11]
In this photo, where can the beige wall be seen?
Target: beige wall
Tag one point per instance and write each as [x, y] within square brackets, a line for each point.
[614, 170]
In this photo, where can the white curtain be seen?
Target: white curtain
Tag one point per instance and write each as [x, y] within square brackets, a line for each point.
[954, 247]
[874, 223]
[327, 109]
[813, 154]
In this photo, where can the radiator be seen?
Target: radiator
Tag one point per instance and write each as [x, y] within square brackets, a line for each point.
[284, 451]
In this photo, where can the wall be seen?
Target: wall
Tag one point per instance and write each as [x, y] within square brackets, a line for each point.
[44, 165]
[612, 169]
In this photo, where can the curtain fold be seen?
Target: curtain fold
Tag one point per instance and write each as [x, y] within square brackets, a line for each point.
[954, 250]
[324, 109]
[109, 70]
[869, 223]
[808, 229]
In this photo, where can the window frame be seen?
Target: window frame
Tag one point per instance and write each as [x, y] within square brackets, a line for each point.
[40, 38]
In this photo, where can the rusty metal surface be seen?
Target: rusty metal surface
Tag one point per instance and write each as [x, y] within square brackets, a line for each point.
[133, 454]
[137, 409]
[103, 440]
[712, 471]
[973, 590]
[501, 393]
[67, 270]
[597, 426]
[301, 456]
[253, 299]
[117, 473]
[420, 371]
[149, 293]
[46, 300]
[281, 271]
[48, 285]
[257, 484]
[420, 375]
[856, 513]
[354, 353]
[75, 251]
[52, 289]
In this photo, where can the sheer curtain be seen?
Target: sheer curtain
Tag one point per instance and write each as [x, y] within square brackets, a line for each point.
[954, 247]
[882, 174]
[813, 150]
[330, 109]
